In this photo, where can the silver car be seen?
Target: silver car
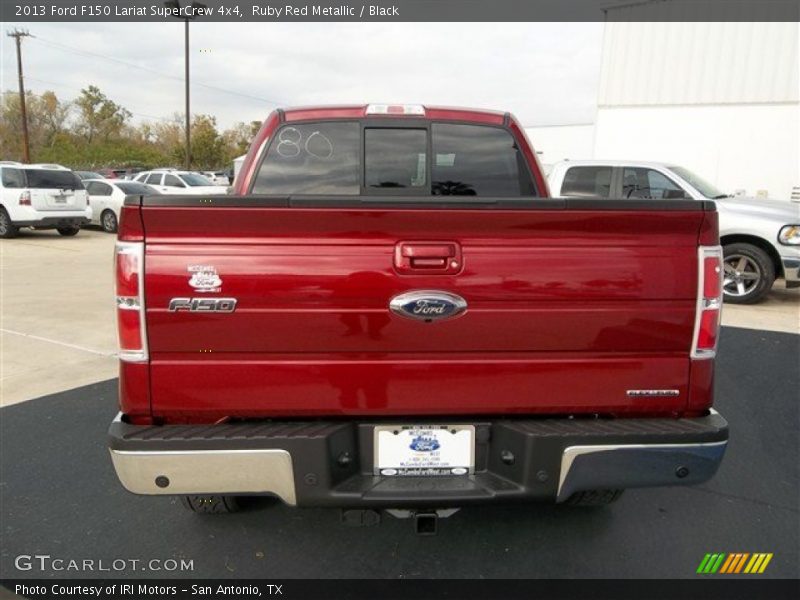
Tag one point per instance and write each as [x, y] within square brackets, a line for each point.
[760, 238]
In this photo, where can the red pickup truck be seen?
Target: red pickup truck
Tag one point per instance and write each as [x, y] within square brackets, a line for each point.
[389, 312]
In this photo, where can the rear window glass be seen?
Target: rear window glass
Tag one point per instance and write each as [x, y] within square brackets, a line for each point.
[450, 159]
[173, 181]
[195, 180]
[396, 158]
[95, 188]
[471, 160]
[136, 188]
[44, 178]
[587, 182]
[312, 158]
[13, 178]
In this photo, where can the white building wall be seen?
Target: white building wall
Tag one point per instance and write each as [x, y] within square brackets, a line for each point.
[722, 99]
[755, 148]
[561, 142]
[656, 64]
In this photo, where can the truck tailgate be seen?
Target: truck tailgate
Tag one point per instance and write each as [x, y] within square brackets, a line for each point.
[570, 306]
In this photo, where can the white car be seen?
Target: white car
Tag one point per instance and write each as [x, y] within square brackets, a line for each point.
[217, 177]
[41, 196]
[179, 182]
[106, 197]
[760, 238]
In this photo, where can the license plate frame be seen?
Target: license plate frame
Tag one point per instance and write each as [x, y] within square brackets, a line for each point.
[441, 450]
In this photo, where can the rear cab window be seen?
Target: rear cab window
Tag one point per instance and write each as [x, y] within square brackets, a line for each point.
[387, 157]
[312, 158]
[470, 160]
[396, 158]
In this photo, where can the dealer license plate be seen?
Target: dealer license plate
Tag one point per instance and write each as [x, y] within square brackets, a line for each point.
[422, 450]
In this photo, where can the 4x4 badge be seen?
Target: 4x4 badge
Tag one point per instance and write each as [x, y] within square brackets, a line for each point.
[204, 278]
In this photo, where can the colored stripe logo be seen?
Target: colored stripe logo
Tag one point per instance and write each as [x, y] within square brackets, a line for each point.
[733, 563]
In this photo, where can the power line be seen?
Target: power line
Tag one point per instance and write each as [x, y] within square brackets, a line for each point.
[155, 72]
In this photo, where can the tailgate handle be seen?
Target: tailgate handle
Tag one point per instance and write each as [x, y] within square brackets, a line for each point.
[427, 257]
[428, 251]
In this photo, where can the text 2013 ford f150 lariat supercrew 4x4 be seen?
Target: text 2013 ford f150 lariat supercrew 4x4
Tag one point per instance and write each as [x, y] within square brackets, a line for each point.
[389, 312]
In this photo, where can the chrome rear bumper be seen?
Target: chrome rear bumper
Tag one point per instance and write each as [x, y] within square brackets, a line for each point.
[207, 472]
[331, 463]
[586, 468]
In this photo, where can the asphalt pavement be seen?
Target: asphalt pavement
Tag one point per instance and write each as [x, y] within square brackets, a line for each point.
[59, 497]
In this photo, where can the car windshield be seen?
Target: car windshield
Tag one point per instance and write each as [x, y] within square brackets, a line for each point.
[45, 178]
[700, 184]
[195, 180]
[134, 187]
[88, 175]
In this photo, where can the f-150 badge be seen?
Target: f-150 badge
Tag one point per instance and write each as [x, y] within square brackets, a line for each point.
[204, 278]
[428, 305]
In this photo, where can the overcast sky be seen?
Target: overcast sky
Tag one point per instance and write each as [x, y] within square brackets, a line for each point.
[545, 73]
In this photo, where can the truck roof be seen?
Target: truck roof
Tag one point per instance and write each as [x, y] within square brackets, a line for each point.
[359, 111]
[597, 162]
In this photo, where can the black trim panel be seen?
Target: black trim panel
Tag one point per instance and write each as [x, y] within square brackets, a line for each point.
[53, 222]
[415, 202]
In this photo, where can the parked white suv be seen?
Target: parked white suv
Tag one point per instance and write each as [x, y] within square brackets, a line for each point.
[760, 238]
[179, 182]
[41, 196]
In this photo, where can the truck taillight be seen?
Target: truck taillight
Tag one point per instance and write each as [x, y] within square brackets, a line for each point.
[25, 199]
[129, 263]
[709, 302]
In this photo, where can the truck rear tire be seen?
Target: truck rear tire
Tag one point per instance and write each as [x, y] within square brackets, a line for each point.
[594, 498]
[209, 505]
[748, 273]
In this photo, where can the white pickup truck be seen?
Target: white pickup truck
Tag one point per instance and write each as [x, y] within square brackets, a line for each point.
[760, 238]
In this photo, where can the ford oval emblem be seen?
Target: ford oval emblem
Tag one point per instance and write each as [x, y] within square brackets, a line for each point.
[428, 305]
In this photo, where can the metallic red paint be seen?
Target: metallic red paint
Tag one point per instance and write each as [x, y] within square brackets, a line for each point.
[582, 304]
[567, 309]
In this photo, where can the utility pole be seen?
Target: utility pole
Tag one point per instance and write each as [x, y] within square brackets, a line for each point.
[186, 83]
[187, 13]
[18, 34]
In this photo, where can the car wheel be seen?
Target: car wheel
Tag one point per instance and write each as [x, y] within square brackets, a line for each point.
[108, 220]
[7, 228]
[594, 498]
[211, 504]
[69, 231]
[748, 273]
